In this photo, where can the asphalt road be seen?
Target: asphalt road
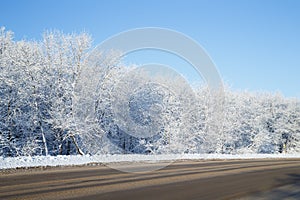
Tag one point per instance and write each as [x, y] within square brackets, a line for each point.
[234, 179]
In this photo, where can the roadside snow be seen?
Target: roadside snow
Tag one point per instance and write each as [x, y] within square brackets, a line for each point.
[36, 161]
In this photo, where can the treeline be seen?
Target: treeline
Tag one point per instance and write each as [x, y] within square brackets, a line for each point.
[44, 94]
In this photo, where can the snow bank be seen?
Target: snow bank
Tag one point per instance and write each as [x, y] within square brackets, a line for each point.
[37, 161]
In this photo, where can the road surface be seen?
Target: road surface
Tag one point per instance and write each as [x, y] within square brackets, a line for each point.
[231, 179]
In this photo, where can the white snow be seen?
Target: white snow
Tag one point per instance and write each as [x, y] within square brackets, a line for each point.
[37, 161]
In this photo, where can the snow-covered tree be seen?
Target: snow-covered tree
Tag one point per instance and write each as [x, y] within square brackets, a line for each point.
[57, 98]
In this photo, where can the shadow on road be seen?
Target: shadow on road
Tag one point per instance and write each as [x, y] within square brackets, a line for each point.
[295, 179]
[289, 189]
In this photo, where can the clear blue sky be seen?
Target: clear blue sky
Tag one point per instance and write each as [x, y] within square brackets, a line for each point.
[255, 44]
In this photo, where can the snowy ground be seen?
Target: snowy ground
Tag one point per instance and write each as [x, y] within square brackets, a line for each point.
[36, 161]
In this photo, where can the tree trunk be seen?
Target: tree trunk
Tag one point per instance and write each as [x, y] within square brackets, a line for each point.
[76, 145]
[44, 139]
